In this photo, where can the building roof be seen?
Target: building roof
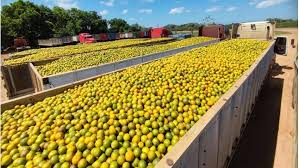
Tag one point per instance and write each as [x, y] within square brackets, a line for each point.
[258, 22]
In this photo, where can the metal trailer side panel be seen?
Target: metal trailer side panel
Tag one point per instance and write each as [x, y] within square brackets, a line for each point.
[75, 38]
[242, 106]
[105, 69]
[122, 64]
[191, 159]
[237, 120]
[202, 152]
[251, 77]
[60, 80]
[225, 130]
[208, 148]
[86, 73]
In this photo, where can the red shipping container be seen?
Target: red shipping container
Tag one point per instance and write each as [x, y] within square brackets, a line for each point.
[103, 37]
[215, 31]
[20, 42]
[159, 32]
[141, 34]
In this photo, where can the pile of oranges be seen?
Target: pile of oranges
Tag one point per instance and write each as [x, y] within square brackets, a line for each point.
[126, 119]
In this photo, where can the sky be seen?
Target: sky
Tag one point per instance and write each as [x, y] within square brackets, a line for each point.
[162, 12]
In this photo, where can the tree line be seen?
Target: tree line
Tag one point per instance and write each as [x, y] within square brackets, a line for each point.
[280, 23]
[30, 21]
[283, 23]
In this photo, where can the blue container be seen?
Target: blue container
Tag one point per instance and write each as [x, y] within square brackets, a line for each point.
[181, 36]
[112, 36]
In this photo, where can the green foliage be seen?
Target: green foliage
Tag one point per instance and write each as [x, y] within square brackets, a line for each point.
[136, 28]
[74, 21]
[25, 19]
[183, 27]
[118, 25]
[284, 23]
[31, 21]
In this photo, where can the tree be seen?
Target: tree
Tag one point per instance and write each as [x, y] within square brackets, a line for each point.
[171, 27]
[97, 23]
[183, 27]
[136, 28]
[23, 19]
[47, 24]
[280, 23]
[75, 21]
[118, 25]
[62, 25]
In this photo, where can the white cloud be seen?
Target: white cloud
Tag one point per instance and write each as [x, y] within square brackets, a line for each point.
[268, 3]
[146, 11]
[125, 11]
[213, 9]
[107, 2]
[67, 4]
[252, 2]
[103, 12]
[178, 10]
[230, 9]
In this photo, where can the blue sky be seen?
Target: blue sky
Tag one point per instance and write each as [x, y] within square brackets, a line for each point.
[162, 12]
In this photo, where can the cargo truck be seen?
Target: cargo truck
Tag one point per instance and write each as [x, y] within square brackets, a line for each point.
[257, 30]
[86, 38]
[213, 139]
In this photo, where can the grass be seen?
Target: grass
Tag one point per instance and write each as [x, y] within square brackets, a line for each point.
[281, 33]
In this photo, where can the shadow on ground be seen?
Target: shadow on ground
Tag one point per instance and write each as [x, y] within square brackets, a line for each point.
[277, 69]
[257, 146]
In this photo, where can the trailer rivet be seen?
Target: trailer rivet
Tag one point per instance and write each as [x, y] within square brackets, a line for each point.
[169, 162]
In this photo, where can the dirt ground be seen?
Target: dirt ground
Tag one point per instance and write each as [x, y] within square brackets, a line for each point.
[3, 90]
[269, 139]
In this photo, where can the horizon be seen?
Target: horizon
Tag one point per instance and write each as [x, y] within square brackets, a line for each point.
[178, 12]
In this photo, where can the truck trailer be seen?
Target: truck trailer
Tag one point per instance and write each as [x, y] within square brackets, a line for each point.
[216, 31]
[257, 30]
[211, 141]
